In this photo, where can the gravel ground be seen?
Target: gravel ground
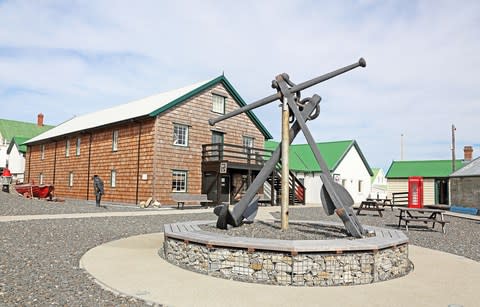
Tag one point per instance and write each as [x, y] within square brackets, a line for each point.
[18, 205]
[39, 258]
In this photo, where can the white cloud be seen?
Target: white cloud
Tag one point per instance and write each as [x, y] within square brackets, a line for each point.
[421, 74]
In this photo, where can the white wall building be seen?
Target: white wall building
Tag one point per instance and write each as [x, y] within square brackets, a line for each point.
[345, 161]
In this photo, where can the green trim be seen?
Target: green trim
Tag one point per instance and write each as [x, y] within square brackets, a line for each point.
[232, 92]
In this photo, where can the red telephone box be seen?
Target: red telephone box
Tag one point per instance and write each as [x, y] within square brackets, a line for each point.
[415, 192]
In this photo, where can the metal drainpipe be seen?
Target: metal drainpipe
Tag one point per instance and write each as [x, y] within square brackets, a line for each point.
[55, 163]
[29, 161]
[138, 160]
[88, 167]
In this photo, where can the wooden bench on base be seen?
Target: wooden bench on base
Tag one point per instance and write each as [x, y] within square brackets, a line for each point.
[182, 198]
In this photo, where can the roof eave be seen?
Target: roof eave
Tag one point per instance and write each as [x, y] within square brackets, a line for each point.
[230, 89]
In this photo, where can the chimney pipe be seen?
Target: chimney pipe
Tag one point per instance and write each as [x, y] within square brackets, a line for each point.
[467, 153]
[40, 120]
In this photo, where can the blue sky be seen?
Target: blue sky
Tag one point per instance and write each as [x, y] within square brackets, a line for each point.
[66, 58]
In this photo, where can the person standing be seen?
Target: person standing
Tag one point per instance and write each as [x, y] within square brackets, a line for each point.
[98, 188]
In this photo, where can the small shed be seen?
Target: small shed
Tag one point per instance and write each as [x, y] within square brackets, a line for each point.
[465, 185]
[435, 175]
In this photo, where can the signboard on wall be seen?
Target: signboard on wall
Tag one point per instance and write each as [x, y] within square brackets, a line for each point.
[223, 167]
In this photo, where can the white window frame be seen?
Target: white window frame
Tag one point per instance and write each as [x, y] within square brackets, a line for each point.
[180, 185]
[360, 186]
[40, 178]
[70, 179]
[218, 103]
[42, 152]
[178, 140]
[67, 148]
[113, 178]
[77, 146]
[115, 140]
[248, 142]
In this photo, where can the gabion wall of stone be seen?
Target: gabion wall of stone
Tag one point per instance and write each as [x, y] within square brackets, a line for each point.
[305, 269]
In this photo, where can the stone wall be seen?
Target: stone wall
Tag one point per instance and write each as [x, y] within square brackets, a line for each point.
[303, 269]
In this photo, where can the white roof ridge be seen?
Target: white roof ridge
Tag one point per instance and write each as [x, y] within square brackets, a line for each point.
[129, 110]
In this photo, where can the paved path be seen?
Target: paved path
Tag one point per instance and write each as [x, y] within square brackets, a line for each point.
[132, 267]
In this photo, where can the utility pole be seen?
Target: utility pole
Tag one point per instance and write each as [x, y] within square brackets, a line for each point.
[401, 147]
[453, 147]
[285, 167]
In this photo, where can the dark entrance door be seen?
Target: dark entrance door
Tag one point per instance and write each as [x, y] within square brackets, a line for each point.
[441, 191]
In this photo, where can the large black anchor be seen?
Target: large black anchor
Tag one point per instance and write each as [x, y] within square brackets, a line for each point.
[335, 198]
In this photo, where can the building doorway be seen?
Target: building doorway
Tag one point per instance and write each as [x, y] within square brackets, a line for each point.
[441, 191]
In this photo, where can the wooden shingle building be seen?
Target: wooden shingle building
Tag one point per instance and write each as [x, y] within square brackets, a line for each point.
[154, 147]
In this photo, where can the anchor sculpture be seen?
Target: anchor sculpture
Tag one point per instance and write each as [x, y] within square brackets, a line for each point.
[335, 198]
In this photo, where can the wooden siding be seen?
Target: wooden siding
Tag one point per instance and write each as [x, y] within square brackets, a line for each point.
[97, 157]
[401, 185]
[195, 114]
[158, 155]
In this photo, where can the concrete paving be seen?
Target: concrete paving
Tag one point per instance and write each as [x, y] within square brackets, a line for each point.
[132, 267]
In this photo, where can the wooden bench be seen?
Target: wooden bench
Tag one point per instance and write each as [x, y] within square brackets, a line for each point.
[182, 198]
[421, 215]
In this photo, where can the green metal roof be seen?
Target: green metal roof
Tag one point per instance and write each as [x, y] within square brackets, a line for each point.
[19, 141]
[228, 86]
[426, 168]
[301, 158]
[12, 128]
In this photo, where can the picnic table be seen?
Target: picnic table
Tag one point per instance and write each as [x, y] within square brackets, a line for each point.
[370, 205]
[382, 201]
[422, 215]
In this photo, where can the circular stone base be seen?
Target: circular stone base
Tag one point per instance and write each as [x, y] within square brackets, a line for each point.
[382, 256]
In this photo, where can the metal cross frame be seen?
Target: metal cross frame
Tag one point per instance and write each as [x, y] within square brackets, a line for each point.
[335, 198]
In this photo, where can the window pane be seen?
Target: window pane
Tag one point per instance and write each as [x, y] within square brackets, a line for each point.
[180, 135]
[179, 181]
[115, 140]
[70, 179]
[77, 152]
[113, 178]
[67, 148]
[218, 104]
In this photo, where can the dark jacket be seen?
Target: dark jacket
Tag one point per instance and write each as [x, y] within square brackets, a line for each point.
[98, 185]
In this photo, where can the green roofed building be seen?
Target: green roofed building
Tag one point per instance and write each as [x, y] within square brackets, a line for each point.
[435, 175]
[12, 136]
[345, 161]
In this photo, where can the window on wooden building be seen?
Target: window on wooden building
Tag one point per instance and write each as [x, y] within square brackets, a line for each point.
[40, 178]
[218, 104]
[67, 148]
[179, 181]
[42, 151]
[344, 183]
[113, 178]
[115, 140]
[247, 143]
[360, 183]
[70, 179]
[180, 135]
[77, 148]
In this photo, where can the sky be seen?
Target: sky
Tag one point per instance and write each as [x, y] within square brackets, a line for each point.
[68, 58]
